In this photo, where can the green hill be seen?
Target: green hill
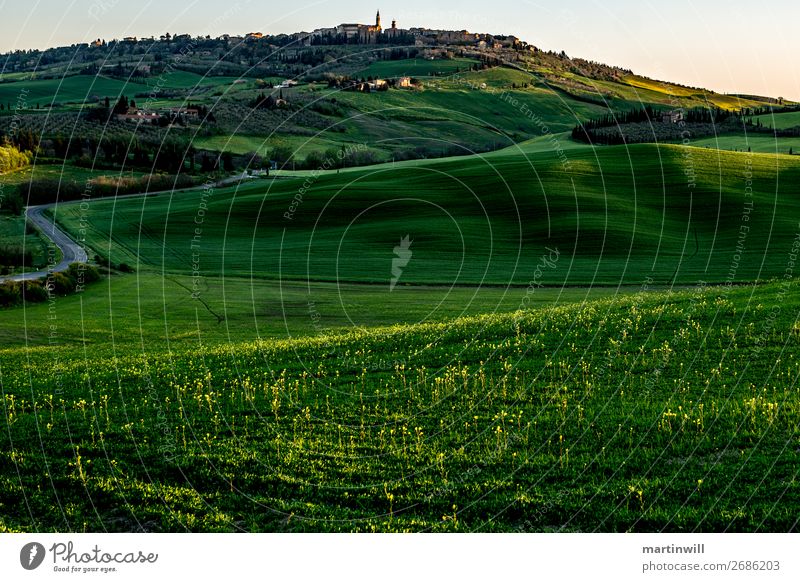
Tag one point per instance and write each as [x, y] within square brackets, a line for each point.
[780, 120]
[615, 215]
[75, 89]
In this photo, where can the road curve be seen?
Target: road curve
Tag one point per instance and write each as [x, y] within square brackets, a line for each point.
[71, 251]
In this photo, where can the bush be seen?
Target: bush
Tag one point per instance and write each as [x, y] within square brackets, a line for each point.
[34, 292]
[13, 159]
[61, 284]
[82, 273]
[14, 293]
[316, 160]
[361, 158]
[10, 294]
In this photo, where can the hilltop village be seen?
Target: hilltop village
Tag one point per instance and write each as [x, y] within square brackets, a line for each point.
[259, 55]
[419, 37]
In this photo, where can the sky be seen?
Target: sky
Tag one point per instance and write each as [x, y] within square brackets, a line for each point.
[734, 46]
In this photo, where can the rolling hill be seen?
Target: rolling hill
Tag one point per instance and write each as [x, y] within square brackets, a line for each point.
[527, 334]
[615, 215]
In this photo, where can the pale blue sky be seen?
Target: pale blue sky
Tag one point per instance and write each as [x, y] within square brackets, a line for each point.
[731, 46]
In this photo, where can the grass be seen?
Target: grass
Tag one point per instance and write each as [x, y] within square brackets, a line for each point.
[60, 171]
[544, 147]
[780, 120]
[301, 146]
[615, 216]
[669, 94]
[652, 412]
[548, 354]
[763, 144]
[163, 312]
[185, 80]
[14, 233]
[448, 113]
[76, 89]
[82, 88]
[454, 101]
[259, 373]
[415, 68]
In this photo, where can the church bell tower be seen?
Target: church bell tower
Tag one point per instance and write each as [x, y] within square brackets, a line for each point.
[378, 20]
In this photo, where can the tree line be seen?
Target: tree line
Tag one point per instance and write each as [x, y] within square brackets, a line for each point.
[590, 131]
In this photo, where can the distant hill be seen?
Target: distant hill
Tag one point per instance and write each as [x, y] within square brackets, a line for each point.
[292, 100]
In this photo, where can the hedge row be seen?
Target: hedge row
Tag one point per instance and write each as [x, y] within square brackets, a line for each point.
[56, 284]
[47, 191]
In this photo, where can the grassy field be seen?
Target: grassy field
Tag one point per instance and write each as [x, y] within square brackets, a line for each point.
[652, 91]
[611, 215]
[185, 80]
[780, 120]
[451, 100]
[77, 89]
[447, 114]
[61, 171]
[80, 88]
[15, 234]
[652, 412]
[757, 143]
[301, 146]
[167, 312]
[487, 109]
[546, 337]
[490, 328]
[415, 68]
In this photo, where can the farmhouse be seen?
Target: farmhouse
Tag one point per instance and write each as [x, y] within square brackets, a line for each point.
[138, 116]
[377, 84]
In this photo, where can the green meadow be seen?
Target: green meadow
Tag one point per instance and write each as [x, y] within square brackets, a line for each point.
[30, 94]
[614, 216]
[177, 310]
[656, 411]
[16, 234]
[757, 143]
[780, 120]
[415, 68]
[75, 89]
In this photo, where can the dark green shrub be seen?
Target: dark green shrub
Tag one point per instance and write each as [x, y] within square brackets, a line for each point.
[83, 274]
[61, 284]
[10, 294]
[34, 292]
